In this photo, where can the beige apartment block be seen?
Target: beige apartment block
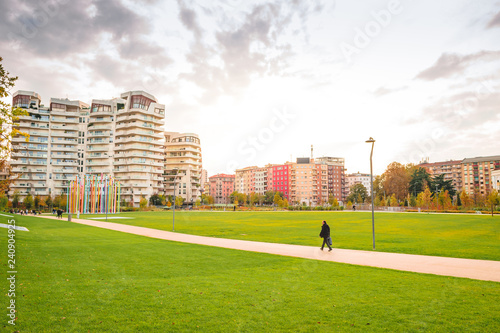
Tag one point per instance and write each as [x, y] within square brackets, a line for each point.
[244, 180]
[336, 176]
[477, 174]
[306, 182]
[54, 152]
[183, 165]
[452, 170]
[204, 179]
[100, 148]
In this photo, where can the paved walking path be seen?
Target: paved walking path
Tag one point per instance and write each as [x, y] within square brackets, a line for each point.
[487, 270]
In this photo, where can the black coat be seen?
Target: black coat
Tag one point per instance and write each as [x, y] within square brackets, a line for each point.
[325, 231]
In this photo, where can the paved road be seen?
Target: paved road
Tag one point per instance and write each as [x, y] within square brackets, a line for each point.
[487, 270]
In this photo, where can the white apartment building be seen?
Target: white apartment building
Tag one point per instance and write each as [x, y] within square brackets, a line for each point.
[495, 180]
[358, 178]
[121, 137]
[260, 180]
[138, 145]
[53, 154]
[183, 166]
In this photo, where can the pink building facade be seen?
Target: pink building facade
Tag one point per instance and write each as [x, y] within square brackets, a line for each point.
[221, 187]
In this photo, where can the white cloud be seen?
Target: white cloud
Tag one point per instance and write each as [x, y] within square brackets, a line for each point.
[222, 67]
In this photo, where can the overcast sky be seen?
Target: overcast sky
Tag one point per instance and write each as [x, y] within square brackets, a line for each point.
[262, 81]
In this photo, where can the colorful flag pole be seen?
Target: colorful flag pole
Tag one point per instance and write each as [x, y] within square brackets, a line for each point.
[94, 195]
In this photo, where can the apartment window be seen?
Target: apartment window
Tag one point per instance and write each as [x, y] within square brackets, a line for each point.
[141, 102]
[54, 106]
[100, 108]
[21, 101]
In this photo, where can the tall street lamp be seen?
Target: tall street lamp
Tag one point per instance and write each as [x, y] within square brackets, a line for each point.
[175, 177]
[371, 179]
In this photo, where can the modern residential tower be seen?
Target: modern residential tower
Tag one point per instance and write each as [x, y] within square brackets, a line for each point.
[183, 165]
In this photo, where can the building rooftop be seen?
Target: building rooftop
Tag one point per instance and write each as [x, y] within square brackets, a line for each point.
[482, 159]
[66, 101]
[221, 175]
[439, 163]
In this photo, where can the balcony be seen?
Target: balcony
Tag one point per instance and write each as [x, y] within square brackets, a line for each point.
[139, 147]
[24, 154]
[184, 149]
[98, 156]
[64, 120]
[98, 141]
[64, 142]
[131, 169]
[139, 132]
[64, 113]
[64, 184]
[134, 111]
[94, 134]
[99, 121]
[98, 170]
[34, 118]
[55, 148]
[18, 162]
[98, 148]
[134, 117]
[137, 139]
[38, 133]
[20, 139]
[72, 170]
[29, 125]
[64, 156]
[136, 161]
[97, 163]
[64, 127]
[98, 127]
[20, 185]
[64, 134]
[101, 113]
[142, 154]
[29, 170]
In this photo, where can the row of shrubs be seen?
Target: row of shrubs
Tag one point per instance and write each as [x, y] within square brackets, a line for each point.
[316, 208]
[452, 211]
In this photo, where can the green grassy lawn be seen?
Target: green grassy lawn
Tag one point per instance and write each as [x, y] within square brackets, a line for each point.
[76, 278]
[460, 236]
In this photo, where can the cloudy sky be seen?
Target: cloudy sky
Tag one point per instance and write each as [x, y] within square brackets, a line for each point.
[262, 81]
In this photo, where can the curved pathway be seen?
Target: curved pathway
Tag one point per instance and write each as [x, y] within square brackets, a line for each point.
[487, 270]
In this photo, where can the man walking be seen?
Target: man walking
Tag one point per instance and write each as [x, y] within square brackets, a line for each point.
[325, 234]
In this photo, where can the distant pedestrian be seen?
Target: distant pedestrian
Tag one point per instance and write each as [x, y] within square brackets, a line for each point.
[59, 213]
[325, 234]
[354, 207]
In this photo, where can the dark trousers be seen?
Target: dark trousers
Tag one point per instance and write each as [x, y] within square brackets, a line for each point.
[325, 241]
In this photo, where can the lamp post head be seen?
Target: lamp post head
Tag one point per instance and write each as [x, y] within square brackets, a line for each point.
[370, 140]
